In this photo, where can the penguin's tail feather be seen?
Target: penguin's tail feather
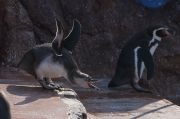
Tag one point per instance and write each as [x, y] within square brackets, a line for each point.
[27, 62]
[138, 88]
[117, 82]
[112, 84]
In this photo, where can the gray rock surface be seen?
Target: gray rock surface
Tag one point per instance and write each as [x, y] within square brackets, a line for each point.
[106, 27]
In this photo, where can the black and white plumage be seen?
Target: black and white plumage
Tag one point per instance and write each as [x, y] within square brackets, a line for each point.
[53, 60]
[5, 112]
[137, 55]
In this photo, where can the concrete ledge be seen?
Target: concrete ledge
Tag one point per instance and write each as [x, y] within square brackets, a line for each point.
[29, 101]
[76, 109]
[126, 103]
[132, 108]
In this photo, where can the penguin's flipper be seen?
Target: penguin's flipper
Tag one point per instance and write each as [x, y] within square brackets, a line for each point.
[73, 37]
[27, 63]
[147, 58]
[57, 41]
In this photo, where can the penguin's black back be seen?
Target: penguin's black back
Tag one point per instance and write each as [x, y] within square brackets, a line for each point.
[40, 52]
[140, 39]
[5, 112]
[35, 56]
[27, 62]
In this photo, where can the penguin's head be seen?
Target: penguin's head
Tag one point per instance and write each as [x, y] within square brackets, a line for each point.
[158, 32]
[68, 42]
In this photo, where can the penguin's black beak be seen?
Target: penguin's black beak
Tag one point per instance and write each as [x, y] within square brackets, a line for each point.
[165, 33]
[171, 32]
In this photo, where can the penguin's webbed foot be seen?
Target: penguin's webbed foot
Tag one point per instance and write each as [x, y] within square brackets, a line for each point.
[49, 85]
[53, 86]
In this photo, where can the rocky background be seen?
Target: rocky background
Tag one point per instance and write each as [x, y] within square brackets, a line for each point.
[106, 27]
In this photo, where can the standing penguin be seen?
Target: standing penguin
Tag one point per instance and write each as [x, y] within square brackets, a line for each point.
[53, 60]
[136, 55]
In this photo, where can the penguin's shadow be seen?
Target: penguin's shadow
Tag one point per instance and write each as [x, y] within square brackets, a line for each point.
[31, 94]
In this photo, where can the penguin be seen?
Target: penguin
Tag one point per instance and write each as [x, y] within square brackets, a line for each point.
[136, 55]
[55, 59]
[5, 112]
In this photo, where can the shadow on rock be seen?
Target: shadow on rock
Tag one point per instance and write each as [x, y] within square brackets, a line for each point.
[30, 94]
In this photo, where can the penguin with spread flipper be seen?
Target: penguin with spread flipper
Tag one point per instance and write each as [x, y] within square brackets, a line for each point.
[53, 60]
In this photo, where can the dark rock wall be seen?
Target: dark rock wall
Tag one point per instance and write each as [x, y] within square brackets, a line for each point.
[106, 27]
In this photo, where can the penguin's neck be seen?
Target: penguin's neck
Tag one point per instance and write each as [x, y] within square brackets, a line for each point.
[153, 48]
[154, 42]
[155, 39]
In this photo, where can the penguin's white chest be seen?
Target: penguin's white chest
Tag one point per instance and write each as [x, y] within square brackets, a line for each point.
[50, 69]
[153, 48]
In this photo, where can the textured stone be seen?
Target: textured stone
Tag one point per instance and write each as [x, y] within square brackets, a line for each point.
[30, 101]
[106, 27]
[19, 36]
